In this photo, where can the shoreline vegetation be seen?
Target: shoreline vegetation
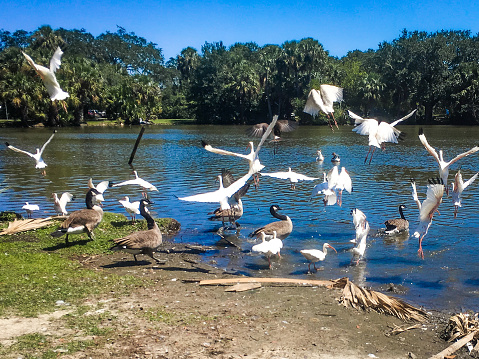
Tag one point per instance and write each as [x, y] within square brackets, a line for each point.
[84, 300]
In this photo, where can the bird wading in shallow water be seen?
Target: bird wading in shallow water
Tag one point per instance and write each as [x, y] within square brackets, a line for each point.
[316, 255]
[283, 227]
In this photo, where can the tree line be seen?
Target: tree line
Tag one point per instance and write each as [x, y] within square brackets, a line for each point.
[129, 79]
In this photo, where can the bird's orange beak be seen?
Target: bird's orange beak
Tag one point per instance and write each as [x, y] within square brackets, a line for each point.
[330, 246]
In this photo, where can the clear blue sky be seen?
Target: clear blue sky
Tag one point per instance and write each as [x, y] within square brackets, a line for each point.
[340, 26]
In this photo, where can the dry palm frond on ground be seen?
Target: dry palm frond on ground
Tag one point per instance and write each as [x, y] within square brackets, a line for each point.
[358, 297]
[460, 325]
[26, 225]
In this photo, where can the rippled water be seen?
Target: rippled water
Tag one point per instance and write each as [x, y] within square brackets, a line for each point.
[172, 158]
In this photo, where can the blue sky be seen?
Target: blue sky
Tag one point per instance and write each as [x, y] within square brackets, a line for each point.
[341, 26]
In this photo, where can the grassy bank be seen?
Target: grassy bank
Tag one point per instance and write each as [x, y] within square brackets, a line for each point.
[105, 122]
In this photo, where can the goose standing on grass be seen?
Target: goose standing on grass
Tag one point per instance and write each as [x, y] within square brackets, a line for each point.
[378, 133]
[268, 248]
[59, 204]
[48, 75]
[443, 165]
[142, 242]
[435, 191]
[293, 177]
[83, 220]
[320, 157]
[458, 186]
[361, 234]
[30, 208]
[253, 157]
[132, 208]
[147, 186]
[397, 225]
[323, 100]
[316, 255]
[39, 163]
[101, 188]
[283, 227]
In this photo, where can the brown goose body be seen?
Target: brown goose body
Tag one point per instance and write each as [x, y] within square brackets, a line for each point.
[83, 220]
[142, 242]
[283, 227]
[397, 225]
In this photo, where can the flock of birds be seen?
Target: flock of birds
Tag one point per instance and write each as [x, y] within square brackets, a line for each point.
[231, 190]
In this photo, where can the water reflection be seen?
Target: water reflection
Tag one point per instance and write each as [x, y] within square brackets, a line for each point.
[173, 159]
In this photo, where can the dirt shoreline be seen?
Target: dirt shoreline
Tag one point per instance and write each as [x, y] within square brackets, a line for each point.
[177, 318]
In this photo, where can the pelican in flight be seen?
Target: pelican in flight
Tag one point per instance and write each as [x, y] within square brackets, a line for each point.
[254, 164]
[293, 177]
[378, 132]
[36, 156]
[435, 191]
[48, 75]
[443, 165]
[322, 100]
[458, 186]
[316, 255]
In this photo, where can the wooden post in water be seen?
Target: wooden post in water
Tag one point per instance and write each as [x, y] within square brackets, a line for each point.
[136, 145]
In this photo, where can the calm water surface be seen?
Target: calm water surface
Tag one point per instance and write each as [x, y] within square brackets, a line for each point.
[172, 159]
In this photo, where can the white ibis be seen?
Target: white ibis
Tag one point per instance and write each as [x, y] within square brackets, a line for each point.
[316, 255]
[30, 208]
[268, 248]
[323, 100]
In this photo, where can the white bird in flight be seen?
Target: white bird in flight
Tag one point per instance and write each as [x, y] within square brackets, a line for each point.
[443, 165]
[293, 177]
[361, 235]
[139, 182]
[48, 75]
[378, 132]
[254, 164]
[458, 186]
[322, 100]
[101, 188]
[59, 204]
[37, 156]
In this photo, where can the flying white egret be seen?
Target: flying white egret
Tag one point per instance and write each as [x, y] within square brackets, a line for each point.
[290, 175]
[458, 186]
[435, 191]
[48, 75]
[60, 203]
[322, 100]
[378, 132]
[254, 164]
[316, 255]
[443, 165]
[36, 156]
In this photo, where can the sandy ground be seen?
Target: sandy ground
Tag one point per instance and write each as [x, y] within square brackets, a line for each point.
[177, 318]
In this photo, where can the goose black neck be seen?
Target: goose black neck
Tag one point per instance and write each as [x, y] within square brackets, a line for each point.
[400, 212]
[275, 214]
[149, 220]
[89, 198]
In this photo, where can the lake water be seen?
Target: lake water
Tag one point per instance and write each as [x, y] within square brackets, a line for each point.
[172, 159]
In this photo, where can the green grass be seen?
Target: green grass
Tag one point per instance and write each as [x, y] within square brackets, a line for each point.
[38, 270]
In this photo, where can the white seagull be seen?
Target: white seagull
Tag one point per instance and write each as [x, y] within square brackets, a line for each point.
[101, 188]
[132, 208]
[60, 203]
[322, 100]
[320, 157]
[48, 75]
[458, 186]
[36, 156]
[443, 165]
[378, 133]
[139, 182]
[254, 164]
[293, 177]
[29, 208]
[316, 255]
[361, 235]
[435, 191]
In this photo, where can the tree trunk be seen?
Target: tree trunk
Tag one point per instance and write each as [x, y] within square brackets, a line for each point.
[52, 120]
[428, 107]
[78, 115]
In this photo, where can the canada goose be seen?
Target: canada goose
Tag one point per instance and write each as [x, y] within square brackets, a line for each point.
[101, 188]
[283, 228]
[293, 177]
[443, 165]
[254, 164]
[132, 208]
[139, 182]
[39, 163]
[397, 225]
[336, 159]
[435, 191]
[268, 248]
[48, 75]
[316, 255]
[83, 220]
[378, 133]
[59, 204]
[361, 235]
[142, 242]
[322, 100]
[320, 157]
[30, 208]
[458, 186]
